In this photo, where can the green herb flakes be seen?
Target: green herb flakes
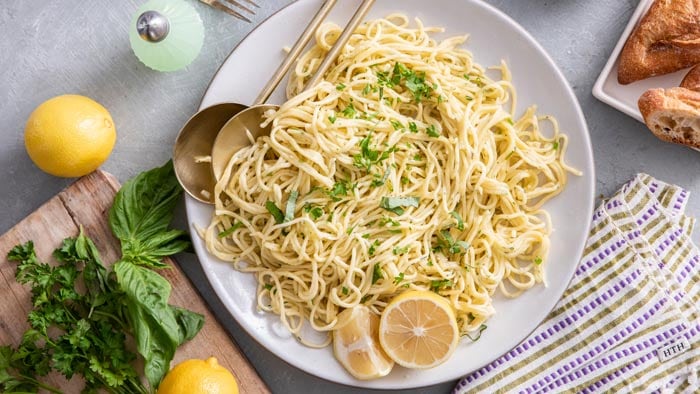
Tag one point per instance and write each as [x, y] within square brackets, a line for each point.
[377, 273]
[458, 218]
[432, 132]
[437, 285]
[373, 247]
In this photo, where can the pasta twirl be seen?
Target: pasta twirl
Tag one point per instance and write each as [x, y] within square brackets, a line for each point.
[404, 169]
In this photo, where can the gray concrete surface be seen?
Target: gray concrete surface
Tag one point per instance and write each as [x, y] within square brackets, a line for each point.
[81, 46]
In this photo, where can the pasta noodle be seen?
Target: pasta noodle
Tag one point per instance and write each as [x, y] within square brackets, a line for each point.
[404, 169]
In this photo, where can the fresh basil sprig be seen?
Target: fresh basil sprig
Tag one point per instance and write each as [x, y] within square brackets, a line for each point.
[140, 217]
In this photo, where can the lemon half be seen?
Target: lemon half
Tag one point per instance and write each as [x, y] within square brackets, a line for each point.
[418, 329]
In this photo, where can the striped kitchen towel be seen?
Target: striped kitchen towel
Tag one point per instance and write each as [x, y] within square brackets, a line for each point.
[629, 320]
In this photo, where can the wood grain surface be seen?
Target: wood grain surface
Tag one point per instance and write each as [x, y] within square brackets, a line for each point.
[86, 203]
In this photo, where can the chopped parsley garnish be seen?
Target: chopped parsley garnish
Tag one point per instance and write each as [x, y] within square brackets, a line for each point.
[432, 132]
[538, 260]
[412, 81]
[430, 263]
[332, 119]
[377, 273]
[349, 230]
[369, 156]
[417, 157]
[268, 286]
[365, 236]
[387, 220]
[373, 247]
[413, 127]
[230, 230]
[314, 212]
[345, 290]
[509, 120]
[396, 204]
[396, 125]
[364, 298]
[340, 188]
[366, 89]
[468, 98]
[340, 86]
[436, 285]
[555, 145]
[400, 250]
[466, 76]
[404, 180]
[398, 279]
[460, 222]
[349, 111]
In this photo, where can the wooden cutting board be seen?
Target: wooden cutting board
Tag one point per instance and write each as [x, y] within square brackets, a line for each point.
[87, 203]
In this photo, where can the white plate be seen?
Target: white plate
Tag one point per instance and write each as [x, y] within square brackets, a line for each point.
[624, 97]
[494, 36]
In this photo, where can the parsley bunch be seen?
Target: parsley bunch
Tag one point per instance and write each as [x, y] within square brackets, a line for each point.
[96, 311]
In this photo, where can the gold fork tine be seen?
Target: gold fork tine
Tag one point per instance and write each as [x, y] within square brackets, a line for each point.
[239, 5]
[252, 3]
[219, 6]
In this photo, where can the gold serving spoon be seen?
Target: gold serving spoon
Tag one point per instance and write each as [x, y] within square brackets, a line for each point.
[200, 137]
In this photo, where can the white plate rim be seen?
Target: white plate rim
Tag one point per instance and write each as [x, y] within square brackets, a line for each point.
[191, 203]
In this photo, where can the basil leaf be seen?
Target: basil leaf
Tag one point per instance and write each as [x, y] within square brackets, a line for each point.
[156, 329]
[291, 206]
[141, 214]
[230, 230]
[189, 322]
[276, 212]
[395, 204]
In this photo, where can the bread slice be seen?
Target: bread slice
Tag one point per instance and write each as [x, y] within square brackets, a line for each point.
[666, 40]
[692, 79]
[672, 114]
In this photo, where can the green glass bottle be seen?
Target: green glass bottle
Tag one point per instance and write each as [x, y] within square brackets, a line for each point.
[166, 35]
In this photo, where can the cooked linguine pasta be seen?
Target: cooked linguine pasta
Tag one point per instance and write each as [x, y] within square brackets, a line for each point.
[406, 168]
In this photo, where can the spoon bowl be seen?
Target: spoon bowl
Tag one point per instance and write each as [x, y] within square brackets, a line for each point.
[196, 140]
[237, 133]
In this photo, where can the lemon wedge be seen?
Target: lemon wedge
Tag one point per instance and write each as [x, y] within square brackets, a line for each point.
[418, 329]
[356, 344]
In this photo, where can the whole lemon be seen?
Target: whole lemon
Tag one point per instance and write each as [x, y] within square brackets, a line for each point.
[69, 135]
[199, 377]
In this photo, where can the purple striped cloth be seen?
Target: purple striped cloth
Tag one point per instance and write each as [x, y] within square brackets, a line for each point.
[630, 319]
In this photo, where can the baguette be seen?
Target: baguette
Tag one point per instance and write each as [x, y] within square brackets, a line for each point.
[666, 40]
[673, 114]
[692, 79]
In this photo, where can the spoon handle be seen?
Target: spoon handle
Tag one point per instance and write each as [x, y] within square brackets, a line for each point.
[342, 40]
[294, 52]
